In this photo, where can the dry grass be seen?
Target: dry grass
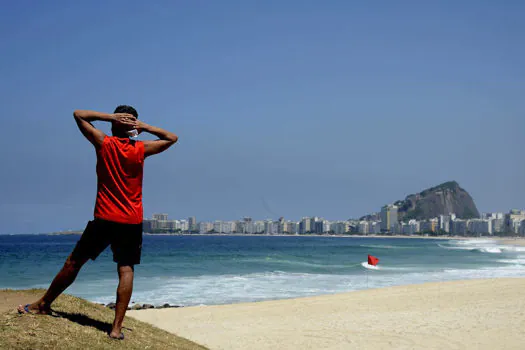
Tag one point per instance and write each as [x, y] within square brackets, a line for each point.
[76, 324]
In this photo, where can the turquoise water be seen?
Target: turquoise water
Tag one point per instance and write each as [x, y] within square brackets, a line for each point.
[196, 270]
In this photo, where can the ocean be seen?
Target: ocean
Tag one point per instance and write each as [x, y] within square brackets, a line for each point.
[210, 270]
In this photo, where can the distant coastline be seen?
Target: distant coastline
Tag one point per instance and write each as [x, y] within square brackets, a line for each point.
[414, 236]
[66, 233]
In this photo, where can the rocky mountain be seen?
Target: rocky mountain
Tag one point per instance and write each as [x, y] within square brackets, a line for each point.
[443, 199]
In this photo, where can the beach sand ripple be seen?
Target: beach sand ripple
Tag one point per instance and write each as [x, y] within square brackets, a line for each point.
[474, 314]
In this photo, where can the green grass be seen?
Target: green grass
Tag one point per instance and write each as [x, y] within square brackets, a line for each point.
[77, 324]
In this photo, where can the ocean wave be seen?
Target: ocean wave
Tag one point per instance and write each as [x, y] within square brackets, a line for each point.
[289, 262]
[226, 289]
[495, 250]
[381, 246]
[472, 242]
[517, 261]
[483, 246]
[224, 274]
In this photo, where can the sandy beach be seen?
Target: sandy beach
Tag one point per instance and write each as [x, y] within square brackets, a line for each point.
[475, 314]
[520, 241]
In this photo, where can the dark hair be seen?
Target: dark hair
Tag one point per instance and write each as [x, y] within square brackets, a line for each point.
[127, 109]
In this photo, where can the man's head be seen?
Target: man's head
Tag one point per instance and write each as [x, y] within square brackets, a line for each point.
[117, 129]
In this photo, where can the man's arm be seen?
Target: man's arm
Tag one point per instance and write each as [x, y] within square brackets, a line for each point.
[94, 135]
[166, 139]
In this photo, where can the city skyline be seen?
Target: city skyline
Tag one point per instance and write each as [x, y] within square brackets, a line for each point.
[350, 217]
[512, 222]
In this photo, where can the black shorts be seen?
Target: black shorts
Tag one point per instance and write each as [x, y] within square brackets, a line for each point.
[125, 241]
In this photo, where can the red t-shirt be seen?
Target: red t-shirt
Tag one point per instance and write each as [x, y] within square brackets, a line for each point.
[120, 164]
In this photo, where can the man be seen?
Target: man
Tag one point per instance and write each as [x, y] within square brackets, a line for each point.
[118, 209]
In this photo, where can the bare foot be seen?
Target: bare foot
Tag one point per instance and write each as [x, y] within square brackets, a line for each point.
[35, 308]
[116, 335]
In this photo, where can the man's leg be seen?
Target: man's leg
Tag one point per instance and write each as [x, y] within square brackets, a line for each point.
[124, 290]
[60, 283]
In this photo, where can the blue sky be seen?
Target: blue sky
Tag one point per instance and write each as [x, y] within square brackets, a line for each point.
[283, 108]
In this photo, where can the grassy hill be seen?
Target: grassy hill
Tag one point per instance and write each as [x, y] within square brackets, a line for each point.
[75, 324]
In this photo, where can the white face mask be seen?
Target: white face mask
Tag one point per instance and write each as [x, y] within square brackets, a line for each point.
[133, 134]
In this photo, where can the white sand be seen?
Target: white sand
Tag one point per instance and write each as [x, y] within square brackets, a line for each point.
[476, 314]
[517, 241]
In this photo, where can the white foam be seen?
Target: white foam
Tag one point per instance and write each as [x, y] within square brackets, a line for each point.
[483, 246]
[291, 262]
[473, 242]
[225, 289]
[496, 250]
[517, 261]
[381, 246]
[368, 266]
[278, 284]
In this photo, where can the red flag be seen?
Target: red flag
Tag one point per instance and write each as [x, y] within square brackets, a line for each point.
[372, 260]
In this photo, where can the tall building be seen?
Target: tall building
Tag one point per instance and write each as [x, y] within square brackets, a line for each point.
[318, 227]
[192, 224]
[217, 226]
[164, 224]
[340, 227]
[388, 217]
[498, 225]
[283, 227]
[184, 225]
[205, 227]
[479, 226]
[444, 223]
[326, 226]
[269, 227]
[293, 227]
[489, 216]
[513, 220]
[237, 226]
[426, 226]
[375, 227]
[411, 227]
[459, 227]
[160, 217]
[314, 228]
[249, 227]
[522, 228]
[149, 226]
[363, 227]
[304, 225]
[258, 226]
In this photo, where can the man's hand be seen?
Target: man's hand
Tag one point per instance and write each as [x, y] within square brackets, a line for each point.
[166, 138]
[140, 126]
[124, 119]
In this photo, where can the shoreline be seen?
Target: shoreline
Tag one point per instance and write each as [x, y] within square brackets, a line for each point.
[468, 314]
[512, 240]
[516, 242]
[320, 235]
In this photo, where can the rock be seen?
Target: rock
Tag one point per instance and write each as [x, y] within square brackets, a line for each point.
[136, 307]
[443, 199]
[166, 305]
[111, 306]
[148, 306]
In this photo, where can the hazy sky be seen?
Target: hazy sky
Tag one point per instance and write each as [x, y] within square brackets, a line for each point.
[283, 108]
